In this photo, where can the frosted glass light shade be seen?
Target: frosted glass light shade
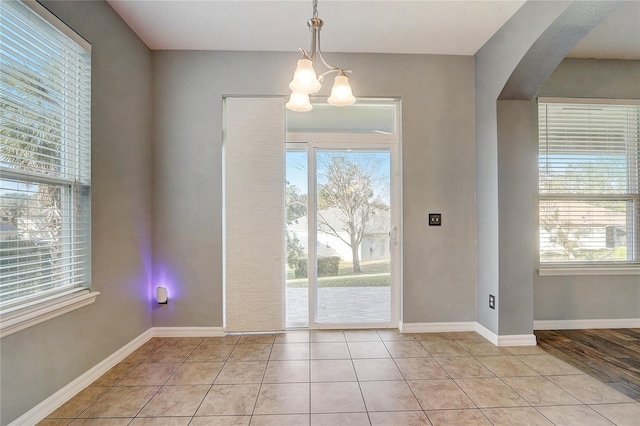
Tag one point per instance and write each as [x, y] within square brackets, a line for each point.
[341, 92]
[299, 102]
[304, 78]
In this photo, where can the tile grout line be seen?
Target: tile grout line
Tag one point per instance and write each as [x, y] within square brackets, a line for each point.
[472, 356]
[255, 404]
[115, 384]
[161, 386]
[355, 372]
[212, 382]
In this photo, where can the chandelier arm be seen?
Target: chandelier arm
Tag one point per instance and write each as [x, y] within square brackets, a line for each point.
[331, 67]
[321, 76]
[305, 55]
[307, 81]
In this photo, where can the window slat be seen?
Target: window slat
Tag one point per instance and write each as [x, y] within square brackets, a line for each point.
[45, 81]
[589, 157]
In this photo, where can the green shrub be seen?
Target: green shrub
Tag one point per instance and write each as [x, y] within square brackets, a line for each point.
[327, 267]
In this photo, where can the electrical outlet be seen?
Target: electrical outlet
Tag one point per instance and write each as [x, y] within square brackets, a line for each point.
[492, 301]
[435, 219]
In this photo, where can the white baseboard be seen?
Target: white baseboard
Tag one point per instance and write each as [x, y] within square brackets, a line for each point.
[586, 323]
[436, 327]
[518, 340]
[49, 405]
[187, 331]
[486, 333]
[506, 340]
[445, 327]
[42, 410]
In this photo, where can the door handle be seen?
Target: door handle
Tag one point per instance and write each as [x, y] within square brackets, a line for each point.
[393, 235]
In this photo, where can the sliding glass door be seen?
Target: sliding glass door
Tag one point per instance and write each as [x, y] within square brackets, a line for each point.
[353, 234]
[343, 223]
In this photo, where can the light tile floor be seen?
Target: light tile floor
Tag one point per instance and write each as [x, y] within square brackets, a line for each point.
[353, 377]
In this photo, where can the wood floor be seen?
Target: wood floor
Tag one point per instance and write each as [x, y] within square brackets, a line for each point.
[611, 356]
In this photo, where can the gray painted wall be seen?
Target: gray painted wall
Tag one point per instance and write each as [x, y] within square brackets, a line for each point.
[438, 165]
[494, 64]
[38, 361]
[589, 297]
[517, 195]
[526, 50]
[179, 158]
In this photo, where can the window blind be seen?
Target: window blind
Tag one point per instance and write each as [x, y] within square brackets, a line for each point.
[589, 156]
[45, 158]
[254, 152]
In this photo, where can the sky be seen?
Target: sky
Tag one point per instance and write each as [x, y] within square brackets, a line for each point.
[297, 165]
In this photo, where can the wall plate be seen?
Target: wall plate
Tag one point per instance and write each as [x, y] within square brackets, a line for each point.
[435, 219]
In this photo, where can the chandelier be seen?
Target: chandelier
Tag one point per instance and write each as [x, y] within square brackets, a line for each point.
[307, 82]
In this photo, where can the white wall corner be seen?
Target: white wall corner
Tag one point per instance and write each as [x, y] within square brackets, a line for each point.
[486, 333]
[506, 340]
[188, 331]
[586, 323]
[436, 327]
[46, 407]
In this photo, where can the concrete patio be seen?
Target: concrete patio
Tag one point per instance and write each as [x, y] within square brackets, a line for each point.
[341, 305]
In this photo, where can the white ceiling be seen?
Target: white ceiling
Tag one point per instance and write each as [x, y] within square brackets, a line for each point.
[453, 27]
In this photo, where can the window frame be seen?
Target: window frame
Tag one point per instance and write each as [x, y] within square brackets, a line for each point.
[632, 196]
[16, 315]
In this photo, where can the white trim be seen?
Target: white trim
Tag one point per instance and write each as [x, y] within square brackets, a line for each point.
[444, 327]
[35, 315]
[437, 327]
[353, 326]
[506, 340]
[187, 331]
[586, 323]
[596, 101]
[518, 340]
[56, 400]
[365, 142]
[52, 19]
[550, 271]
[486, 333]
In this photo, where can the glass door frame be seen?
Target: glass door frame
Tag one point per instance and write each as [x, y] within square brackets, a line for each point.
[354, 142]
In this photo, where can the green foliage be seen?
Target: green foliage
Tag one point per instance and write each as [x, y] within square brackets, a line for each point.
[30, 141]
[347, 281]
[327, 266]
[296, 203]
[31, 128]
[296, 207]
[294, 249]
[561, 232]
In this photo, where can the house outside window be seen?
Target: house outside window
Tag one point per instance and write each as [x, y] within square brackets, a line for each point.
[589, 198]
[45, 159]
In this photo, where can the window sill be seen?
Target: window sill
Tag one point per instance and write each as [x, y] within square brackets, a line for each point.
[551, 271]
[28, 317]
